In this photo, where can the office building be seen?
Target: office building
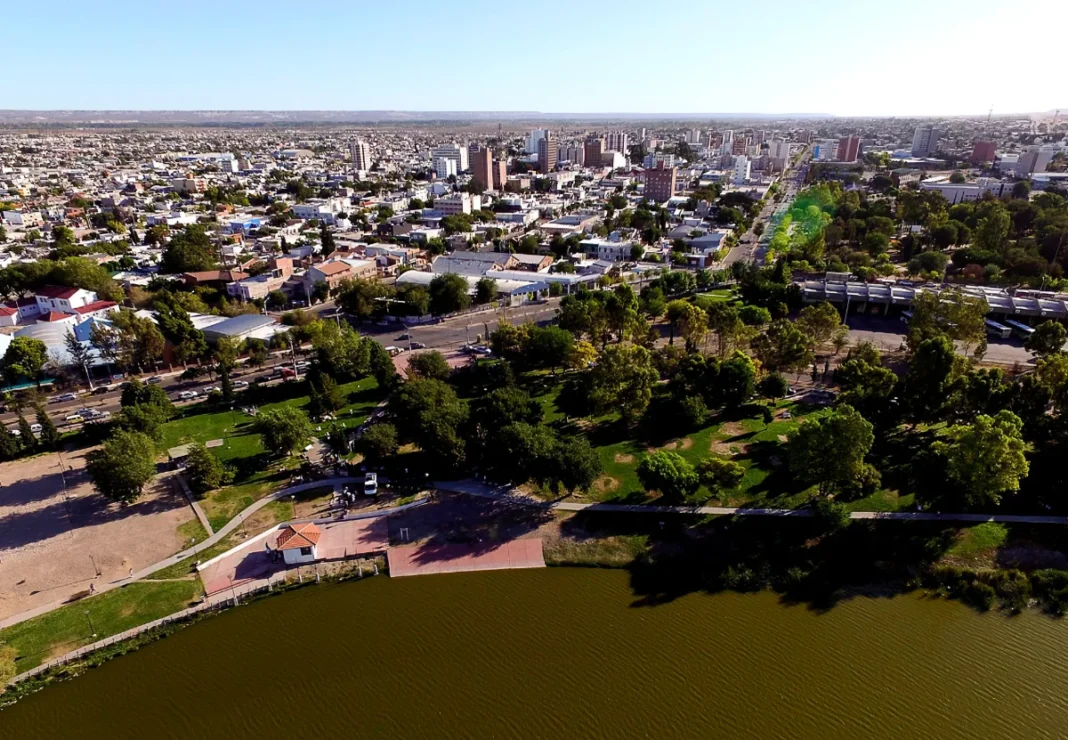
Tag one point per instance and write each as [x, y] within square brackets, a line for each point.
[925, 141]
[574, 154]
[825, 150]
[458, 203]
[1034, 159]
[361, 155]
[594, 148]
[482, 167]
[848, 148]
[547, 150]
[536, 135]
[983, 151]
[451, 151]
[660, 183]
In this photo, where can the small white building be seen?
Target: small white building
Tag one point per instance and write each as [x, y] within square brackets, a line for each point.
[297, 543]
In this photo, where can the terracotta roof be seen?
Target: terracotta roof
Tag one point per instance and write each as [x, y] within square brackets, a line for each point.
[95, 306]
[54, 316]
[56, 291]
[301, 535]
[208, 276]
[333, 268]
[8, 311]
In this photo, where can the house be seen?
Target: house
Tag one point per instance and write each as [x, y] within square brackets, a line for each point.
[63, 299]
[212, 277]
[331, 273]
[297, 543]
[95, 309]
[9, 315]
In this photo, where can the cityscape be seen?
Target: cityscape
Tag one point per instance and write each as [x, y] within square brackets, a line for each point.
[718, 389]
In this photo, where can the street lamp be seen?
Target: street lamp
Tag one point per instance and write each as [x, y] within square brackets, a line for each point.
[92, 629]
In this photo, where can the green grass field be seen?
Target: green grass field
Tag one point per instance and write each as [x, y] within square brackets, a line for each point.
[68, 628]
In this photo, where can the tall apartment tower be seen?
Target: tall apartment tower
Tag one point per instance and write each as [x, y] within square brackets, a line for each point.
[536, 135]
[617, 142]
[500, 175]
[482, 166]
[361, 155]
[547, 151]
[660, 182]
[983, 151]
[594, 149]
[925, 141]
[848, 148]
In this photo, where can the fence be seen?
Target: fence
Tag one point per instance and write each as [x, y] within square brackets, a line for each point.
[220, 601]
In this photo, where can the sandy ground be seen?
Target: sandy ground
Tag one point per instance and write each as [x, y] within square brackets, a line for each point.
[54, 541]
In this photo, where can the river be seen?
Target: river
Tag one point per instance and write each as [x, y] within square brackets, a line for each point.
[564, 653]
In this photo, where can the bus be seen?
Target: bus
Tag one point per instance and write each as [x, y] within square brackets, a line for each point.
[995, 329]
[906, 316]
[1023, 331]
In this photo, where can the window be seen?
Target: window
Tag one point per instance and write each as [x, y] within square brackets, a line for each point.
[305, 551]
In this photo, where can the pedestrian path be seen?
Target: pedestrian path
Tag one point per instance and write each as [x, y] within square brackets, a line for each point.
[506, 493]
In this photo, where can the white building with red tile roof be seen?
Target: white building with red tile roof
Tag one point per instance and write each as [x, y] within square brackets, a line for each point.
[62, 298]
[297, 543]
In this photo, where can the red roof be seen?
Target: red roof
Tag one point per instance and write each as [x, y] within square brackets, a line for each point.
[54, 316]
[56, 291]
[300, 535]
[96, 306]
[8, 311]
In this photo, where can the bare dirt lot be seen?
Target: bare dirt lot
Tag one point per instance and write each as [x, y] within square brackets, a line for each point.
[54, 539]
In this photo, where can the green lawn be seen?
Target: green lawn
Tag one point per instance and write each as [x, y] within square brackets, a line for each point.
[255, 472]
[65, 629]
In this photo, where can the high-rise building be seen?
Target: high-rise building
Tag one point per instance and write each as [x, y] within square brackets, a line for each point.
[361, 155]
[739, 145]
[983, 151]
[444, 167]
[1034, 159]
[617, 142]
[848, 148]
[574, 154]
[925, 141]
[536, 135]
[660, 183]
[594, 148]
[742, 168]
[451, 151]
[693, 136]
[825, 150]
[726, 142]
[500, 175]
[547, 149]
[482, 167]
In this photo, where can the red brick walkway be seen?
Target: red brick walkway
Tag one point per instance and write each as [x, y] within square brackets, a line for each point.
[417, 560]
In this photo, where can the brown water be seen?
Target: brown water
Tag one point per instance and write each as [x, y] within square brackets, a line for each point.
[563, 653]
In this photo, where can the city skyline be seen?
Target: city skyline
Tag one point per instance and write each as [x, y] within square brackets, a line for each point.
[723, 60]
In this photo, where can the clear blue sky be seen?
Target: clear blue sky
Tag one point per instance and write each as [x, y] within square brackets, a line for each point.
[845, 57]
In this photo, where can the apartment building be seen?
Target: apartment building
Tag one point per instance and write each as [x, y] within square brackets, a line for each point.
[660, 182]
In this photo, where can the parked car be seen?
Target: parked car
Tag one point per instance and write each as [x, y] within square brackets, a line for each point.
[186, 395]
[418, 345]
[240, 384]
[404, 337]
[394, 351]
[370, 484]
[101, 390]
[155, 380]
[63, 397]
[99, 417]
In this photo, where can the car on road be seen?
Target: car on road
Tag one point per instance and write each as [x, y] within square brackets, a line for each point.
[404, 337]
[74, 419]
[370, 484]
[394, 351]
[481, 349]
[187, 395]
[63, 397]
[98, 417]
[240, 384]
[35, 428]
[100, 390]
[300, 366]
[155, 380]
[418, 345]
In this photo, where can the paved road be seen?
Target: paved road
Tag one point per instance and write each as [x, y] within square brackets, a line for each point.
[888, 334]
[506, 493]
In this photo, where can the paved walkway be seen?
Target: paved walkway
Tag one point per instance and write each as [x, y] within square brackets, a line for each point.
[417, 560]
[505, 493]
[189, 552]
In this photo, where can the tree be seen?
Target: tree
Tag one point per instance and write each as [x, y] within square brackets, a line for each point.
[80, 353]
[485, 290]
[1021, 190]
[138, 343]
[866, 385]
[783, 347]
[754, 315]
[431, 365]
[949, 313]
[257, 352]
[189, 250]
[926, 262]
[429, 413]
[926, 385]
[549, 347]
[25, 358]
[187, 341]
[575, 464]
[830, 450]
[773, 386]
[204, 471]
[718, 475]
[379, 442]
[992, 230]
[283, 430]
[361, 298]
[522, 452]
[49, 433]
[325, 396]
[985, 459]
[122, 466]
[623, 380]
[820, 322]
[448, 294]
[327, 239]
[1047, 339]
[342, 350]
[693, 325]
[670, 474]
[582, 355]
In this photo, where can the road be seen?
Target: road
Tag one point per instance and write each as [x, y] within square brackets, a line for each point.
[889, 335]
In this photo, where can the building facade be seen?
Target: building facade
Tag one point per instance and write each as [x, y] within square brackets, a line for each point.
[925, 141]
[547, 151]
[660, 182]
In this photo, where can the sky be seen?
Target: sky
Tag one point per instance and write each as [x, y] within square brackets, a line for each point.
[842, 57]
